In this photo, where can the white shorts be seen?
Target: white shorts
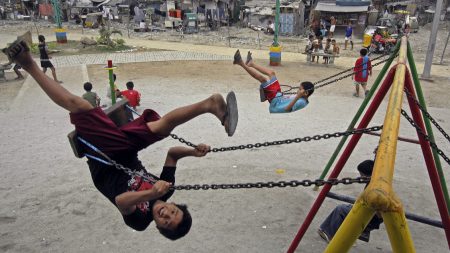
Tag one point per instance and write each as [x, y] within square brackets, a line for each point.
[349, 38]
[332, 28]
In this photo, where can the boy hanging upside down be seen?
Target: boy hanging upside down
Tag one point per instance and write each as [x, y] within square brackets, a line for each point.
[270, 87]
[139, 201]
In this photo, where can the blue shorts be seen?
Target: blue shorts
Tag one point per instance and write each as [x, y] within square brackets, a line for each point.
[280, 102]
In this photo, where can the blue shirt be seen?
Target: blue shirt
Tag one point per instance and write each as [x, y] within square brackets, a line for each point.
[348, 31]
[279, 103]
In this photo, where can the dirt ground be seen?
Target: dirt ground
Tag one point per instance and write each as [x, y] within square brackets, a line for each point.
[49, 203]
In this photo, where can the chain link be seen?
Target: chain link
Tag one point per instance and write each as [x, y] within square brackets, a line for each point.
[426, 137]
[317, 86]
[425, 112]
[280, 184]
[288, 141]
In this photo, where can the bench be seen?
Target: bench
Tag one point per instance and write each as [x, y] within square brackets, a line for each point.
[118, 113]
[331, 56]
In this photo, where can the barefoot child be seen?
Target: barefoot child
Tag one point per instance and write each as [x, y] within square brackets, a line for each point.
[138, 200]
[270, 86]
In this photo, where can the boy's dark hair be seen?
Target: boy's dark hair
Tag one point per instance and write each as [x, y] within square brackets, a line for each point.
[333, 40]
[363, 52]
[130, 85]
[114, 77]
[311, 36]
[366, 168]
[328, 40]
[41, 38]
[182, 229]
[87, 86]
[308, 86]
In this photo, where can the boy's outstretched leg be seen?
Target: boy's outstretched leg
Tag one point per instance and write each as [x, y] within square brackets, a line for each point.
[215, 105]
[253, 69]
[20, 53]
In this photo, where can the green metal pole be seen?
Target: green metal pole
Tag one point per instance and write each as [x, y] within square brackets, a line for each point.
[277, 24]
[358, 113]
[421, 99]
[111, 82]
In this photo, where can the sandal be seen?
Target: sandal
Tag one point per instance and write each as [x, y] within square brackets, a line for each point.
[354, 94]
[230, 119]
[323, 235]
[237, 57]
[249, 58]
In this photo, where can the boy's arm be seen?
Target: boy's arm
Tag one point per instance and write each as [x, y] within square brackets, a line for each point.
[127, 201]
[176, 153]
[299, 95]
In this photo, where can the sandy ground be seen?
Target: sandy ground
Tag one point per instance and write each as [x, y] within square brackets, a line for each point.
[49, 203]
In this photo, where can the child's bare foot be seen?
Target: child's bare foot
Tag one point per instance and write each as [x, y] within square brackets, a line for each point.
[218, 106]
[249, 58]
[237, 58]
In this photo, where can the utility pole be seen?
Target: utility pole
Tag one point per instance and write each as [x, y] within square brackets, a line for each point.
[432, 41]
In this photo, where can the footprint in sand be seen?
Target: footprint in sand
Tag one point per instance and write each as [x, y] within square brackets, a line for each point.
[7, 219]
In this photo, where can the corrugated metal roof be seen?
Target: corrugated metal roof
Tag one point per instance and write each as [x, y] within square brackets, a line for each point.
[332, 7]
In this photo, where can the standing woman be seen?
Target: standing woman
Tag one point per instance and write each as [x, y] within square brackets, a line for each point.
[45, 58]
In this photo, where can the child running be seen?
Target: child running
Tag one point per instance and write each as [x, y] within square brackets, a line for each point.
[270, 87]
[139, 201]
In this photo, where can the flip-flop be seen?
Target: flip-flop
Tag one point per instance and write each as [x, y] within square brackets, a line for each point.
[237, 57]
[249, 58]
[231, 115]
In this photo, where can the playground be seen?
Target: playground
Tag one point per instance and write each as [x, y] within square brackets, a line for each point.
[51, 204]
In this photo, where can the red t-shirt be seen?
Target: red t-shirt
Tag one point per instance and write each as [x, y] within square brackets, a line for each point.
[133, 97]
[359, 74]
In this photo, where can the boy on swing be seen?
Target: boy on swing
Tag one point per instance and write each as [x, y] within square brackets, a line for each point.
[270, 87]
[139, 201]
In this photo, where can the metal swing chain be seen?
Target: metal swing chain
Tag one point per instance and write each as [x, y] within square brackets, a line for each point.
[425, 112]
[317, 86]
[288, 141]
[350, 69]
[281, 184]
[427, 138]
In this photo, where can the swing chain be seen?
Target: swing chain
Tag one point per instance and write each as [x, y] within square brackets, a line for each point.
[425, 112]
[426, 137]
[288, 141]
[281, 184]
[350, 69]
[350, 74]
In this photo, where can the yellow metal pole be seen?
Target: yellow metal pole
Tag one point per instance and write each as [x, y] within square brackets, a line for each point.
[351, 228]
[379, 195]
[398, 232]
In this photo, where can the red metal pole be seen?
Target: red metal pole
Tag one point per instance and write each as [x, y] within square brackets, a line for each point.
[344, 157]
[431, 166]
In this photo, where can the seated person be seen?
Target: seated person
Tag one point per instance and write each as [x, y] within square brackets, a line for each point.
[279, 103]
[334, 220]
[270, 27]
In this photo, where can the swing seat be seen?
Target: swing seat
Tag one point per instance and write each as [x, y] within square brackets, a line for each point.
[118, 113]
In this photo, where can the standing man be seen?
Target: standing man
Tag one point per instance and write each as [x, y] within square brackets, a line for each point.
[348, 35]
[332, 26]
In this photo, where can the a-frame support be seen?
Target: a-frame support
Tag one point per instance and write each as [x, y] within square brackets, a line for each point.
[379, 195]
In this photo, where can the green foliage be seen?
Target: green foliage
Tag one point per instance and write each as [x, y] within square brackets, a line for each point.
[105, 38]
[34, 48]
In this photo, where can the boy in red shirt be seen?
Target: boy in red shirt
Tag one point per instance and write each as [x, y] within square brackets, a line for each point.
[133, 96]
[362, 70]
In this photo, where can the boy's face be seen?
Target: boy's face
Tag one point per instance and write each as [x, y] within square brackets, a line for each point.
[167, 215]
[301, 91]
